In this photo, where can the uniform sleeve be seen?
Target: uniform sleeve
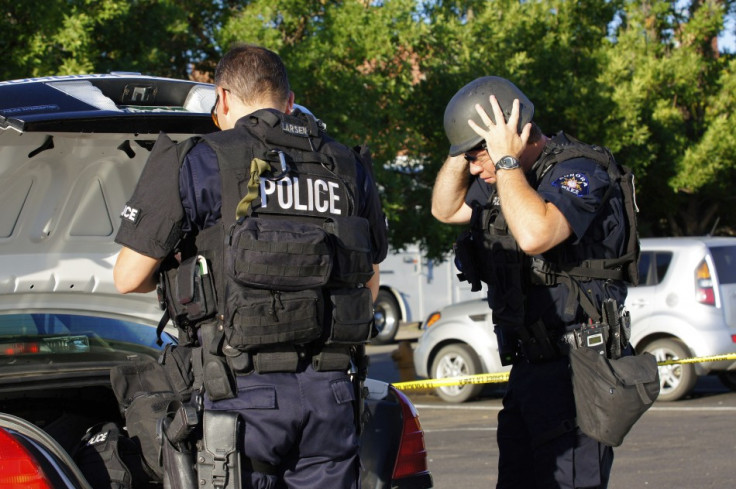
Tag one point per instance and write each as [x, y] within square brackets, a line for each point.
[200, 188]
[371, 209]
[151, 220]
[577, 188]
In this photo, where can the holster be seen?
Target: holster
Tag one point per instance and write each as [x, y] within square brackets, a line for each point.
[176, 448]
[219, 463]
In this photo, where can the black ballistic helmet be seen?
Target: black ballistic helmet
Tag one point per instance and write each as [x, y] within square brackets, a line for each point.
[462, 107]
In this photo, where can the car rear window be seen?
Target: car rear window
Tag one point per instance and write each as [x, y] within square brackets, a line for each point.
[653, 266]
[724, 258]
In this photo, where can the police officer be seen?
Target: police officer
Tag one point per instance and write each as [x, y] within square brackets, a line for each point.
[297, 403]
[534, 218]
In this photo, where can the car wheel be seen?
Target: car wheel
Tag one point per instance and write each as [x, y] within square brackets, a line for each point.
[677, 380]
[454, 361]
[728, 378]
[387, 315]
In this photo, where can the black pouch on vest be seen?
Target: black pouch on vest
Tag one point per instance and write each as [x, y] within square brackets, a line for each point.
[189, 291]
[109, 459]
[611, 395]
[266, 317]
[352, 242]
[278, 254]
[352, 316]
[218, 458]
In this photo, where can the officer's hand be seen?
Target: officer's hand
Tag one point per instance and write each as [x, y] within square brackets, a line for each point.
[502, 138]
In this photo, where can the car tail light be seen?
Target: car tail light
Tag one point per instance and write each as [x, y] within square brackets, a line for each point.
[18, 468]
[704, 292]
[412, 457]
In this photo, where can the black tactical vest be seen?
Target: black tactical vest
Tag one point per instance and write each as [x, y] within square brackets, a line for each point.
[290, 255]
[488, 252]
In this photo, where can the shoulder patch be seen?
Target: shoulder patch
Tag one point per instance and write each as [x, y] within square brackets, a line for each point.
[131, 214]
[575, 183]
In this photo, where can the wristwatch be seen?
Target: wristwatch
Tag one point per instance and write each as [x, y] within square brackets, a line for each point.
[507, 163]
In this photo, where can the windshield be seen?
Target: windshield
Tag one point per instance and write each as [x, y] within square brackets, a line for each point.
[46, 333]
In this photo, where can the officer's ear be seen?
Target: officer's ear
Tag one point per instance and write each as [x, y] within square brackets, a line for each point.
[290, 103]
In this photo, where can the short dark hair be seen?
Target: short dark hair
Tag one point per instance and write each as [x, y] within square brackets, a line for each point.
[535, 134]
[252, 72]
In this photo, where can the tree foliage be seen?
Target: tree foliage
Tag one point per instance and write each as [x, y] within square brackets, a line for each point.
[643, 77]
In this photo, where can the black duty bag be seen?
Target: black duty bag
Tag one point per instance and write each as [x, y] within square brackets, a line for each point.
[144, 389]
[611, 395]
[109, 459]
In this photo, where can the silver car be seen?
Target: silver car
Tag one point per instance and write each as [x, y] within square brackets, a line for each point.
[684, 307]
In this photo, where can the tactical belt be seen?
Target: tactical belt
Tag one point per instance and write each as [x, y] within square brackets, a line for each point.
[292, 358]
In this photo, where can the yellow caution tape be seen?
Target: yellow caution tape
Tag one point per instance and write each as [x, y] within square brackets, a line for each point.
[504, 376]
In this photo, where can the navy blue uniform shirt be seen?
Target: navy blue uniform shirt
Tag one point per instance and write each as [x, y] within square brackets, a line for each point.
[577, 188]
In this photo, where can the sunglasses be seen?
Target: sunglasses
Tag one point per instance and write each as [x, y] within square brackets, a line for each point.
[472, 157]
[213, 112]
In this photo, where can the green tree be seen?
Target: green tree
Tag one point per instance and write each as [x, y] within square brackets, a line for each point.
[674, 98]
[57, 37]
[640, 76]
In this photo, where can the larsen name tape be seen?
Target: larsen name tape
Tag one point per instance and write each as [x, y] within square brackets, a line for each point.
[504, 376]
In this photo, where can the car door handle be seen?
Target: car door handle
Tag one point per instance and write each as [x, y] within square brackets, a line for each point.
[639, 303]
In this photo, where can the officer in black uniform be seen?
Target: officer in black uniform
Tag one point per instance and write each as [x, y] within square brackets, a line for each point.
[534, 218]
[279, 358]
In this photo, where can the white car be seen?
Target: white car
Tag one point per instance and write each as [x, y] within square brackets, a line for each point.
[684, 307]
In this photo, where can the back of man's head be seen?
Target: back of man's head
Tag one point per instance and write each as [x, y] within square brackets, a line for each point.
[253, 73]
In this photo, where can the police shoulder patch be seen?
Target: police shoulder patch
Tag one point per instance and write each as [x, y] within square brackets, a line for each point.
[130, 214]
[575, 183]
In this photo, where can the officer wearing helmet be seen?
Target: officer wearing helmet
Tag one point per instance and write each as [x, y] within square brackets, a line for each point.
[535, 207]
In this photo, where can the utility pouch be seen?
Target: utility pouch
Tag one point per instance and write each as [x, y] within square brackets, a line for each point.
[508, 344]
[536, 345]
[351, 239]
[188, 291]
[612, 318]
[352, 316]
[219, 381]
[219, 452]
[611, 395]
[278, 254]
[256, 317]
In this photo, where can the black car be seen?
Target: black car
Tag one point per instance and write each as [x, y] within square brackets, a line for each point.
[71, 151]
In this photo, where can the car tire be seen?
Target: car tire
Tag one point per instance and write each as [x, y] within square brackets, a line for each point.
[387, 316]
[675, 381]
[452, 361]
[728, 378]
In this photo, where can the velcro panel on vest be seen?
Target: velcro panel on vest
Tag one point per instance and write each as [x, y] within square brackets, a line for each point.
[279, 254]
[263, 317]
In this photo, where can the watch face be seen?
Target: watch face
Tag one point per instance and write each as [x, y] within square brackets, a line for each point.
[507, 163]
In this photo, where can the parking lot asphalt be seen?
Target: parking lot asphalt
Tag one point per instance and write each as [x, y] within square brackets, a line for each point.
[684, 444]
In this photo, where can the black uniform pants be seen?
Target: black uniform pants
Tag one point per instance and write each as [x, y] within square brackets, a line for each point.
[539, 445]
